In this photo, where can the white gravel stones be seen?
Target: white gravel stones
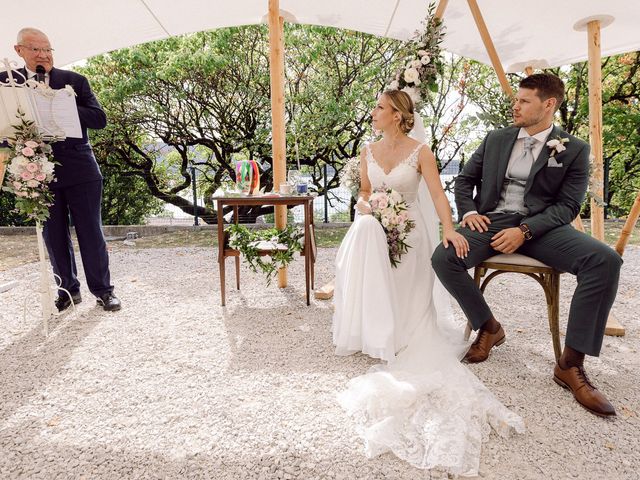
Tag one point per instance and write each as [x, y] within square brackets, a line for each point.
[175, 386]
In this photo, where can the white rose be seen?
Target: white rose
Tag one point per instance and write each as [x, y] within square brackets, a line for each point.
[553, 143]
[560, 148]
[411, 75]
[395, 197]
[15, 168]
[416, 63]
[413, 93]
[425, 59]
[422, 53]
[385, 222]
[47, 167]
[393, 85]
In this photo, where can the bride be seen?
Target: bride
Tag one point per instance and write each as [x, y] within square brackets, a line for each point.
[424, 405]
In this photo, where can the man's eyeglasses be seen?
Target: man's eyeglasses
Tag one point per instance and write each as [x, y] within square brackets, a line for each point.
[37, 50]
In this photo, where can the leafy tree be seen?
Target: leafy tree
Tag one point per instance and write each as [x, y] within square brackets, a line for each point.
[204, 99]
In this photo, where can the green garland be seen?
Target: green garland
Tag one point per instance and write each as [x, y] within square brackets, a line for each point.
[245, 240]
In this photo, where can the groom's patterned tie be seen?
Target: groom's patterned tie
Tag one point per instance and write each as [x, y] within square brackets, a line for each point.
[521, 166]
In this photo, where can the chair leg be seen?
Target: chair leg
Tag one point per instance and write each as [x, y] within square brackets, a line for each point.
[467, 332]
[554, 314]
[238, 272]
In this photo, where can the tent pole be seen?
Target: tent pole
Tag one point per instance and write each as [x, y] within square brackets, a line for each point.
[632, 218]
[595, 137]
[491, 50]
[528, 70]
[442, 6]
[276, 69]
[595, 128]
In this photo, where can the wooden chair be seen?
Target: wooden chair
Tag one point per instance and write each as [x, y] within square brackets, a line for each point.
[546, 276]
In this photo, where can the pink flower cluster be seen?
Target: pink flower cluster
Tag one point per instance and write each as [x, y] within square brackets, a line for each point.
[390, 209]
[30, 170]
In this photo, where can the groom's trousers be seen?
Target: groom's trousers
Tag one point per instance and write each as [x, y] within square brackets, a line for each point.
[595, 265]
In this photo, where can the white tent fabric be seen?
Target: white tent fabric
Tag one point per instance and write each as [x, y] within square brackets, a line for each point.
[525, 33]
[79, 29]
[540, 33]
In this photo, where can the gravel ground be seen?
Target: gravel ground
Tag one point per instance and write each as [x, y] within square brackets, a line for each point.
[175, 386]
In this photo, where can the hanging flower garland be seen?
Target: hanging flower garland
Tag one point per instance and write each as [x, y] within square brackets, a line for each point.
[422, 54]
[282, 245]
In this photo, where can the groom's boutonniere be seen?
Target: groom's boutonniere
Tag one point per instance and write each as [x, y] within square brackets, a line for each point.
[557, 145]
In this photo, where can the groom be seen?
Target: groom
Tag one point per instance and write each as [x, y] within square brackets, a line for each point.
[528, 188]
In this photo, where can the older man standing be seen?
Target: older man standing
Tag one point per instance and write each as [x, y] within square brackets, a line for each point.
[78, 189]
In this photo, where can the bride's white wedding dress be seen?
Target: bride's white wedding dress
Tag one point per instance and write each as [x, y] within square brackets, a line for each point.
[424, 406]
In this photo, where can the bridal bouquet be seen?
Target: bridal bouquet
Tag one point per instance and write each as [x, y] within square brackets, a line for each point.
[389, 208]
[30, 171]
[350, 176]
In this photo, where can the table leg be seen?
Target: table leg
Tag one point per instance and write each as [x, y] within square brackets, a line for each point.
[220, 219]
[307, 252]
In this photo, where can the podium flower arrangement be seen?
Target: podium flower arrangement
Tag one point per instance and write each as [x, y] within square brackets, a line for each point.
[30, 171]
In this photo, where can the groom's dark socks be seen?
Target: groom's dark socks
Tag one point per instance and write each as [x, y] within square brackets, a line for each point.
[571, 358]
[491, 325]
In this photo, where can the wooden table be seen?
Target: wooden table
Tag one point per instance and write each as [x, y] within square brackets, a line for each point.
[309, 248]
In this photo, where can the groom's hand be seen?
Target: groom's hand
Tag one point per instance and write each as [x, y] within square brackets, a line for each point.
[507, 240]
[476, 222]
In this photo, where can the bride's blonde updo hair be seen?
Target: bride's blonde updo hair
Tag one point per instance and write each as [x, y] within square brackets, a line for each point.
[401, 102]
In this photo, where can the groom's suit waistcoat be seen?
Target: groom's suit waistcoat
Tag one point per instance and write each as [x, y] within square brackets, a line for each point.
[553, 192]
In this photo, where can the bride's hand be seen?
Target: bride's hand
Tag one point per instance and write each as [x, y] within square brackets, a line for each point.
[363, 207]
[458, 241]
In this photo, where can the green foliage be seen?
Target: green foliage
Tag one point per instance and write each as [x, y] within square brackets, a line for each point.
[246, 241]
[204, 99]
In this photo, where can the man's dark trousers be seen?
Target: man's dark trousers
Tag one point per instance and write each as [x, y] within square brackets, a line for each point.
[596, 266]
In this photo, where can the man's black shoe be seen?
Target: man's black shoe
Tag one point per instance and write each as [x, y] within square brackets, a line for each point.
[109, 302]
[63, 301]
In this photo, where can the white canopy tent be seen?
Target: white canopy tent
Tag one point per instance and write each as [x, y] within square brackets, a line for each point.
[512, 36]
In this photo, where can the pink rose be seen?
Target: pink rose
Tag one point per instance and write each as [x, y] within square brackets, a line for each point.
[17, 185]
[33, 183]
[27, 151]
[21, 194]
[32, 167]
[41, 177]
[31, 144]
[26, 175]
[383, 203]
[34, 195]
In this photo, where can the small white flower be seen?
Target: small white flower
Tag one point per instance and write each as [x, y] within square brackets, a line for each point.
[553, 143]
[393, 85]
[413, 93]
[416, 63]
[560, 148]
[411, 75]
[425, 59]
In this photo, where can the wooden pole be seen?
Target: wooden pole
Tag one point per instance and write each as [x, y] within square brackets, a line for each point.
[491, 49]
[595, 128]
[4, 156]
[276, 69]
[628, 226]
[595, 138]
[442, 6]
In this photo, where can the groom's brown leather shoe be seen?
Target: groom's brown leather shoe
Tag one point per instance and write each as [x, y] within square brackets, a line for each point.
[575, 379]
[484, 342]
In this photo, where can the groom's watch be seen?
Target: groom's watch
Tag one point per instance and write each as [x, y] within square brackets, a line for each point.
[526, 233]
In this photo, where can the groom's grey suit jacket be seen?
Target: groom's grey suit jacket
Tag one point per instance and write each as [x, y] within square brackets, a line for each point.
[554, 190]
